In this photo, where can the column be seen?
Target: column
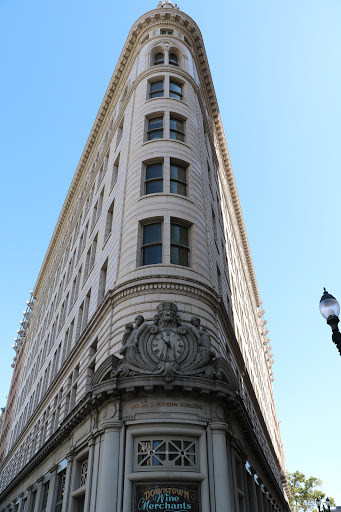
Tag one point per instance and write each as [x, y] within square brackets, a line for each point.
[91, 444]
[68, 479]
[222, 477]
[38, 495]
[108, 477]
[21, 504]
[52, 489]
[29, 499]
[95, 471]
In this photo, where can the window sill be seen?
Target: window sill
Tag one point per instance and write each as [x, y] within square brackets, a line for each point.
[163, 194]
[167, 98]
[166, 140]
[78, 492]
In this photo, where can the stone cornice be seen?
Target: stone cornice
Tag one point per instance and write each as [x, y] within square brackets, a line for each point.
[148, 20]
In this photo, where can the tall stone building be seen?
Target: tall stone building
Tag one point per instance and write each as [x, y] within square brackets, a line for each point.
[143, 373]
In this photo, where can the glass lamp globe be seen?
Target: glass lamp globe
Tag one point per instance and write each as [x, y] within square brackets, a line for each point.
[329, 305]
[318, 502]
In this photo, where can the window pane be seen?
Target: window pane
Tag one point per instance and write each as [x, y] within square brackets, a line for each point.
[152, 255]
[177, 187]
[152, 234]
[155, 135]
[176, 124]
[173, 59]
[157, 94]
[80, 503]
[179, 256]
[175, 87]
[158, 59]
[179, 234]
[153, 187]
[154, 171]
[178, 172]
[176, 136]
[156, 122]
[156, 86]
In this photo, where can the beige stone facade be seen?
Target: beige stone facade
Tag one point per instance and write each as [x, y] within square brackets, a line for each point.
[152, 217]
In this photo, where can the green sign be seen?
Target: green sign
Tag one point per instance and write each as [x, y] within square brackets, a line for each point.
[155, 497]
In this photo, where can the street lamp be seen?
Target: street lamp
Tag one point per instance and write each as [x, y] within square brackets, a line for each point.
[330, 310]
[319, 502]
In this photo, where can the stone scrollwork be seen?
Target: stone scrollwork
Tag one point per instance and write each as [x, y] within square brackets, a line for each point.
[167, 347]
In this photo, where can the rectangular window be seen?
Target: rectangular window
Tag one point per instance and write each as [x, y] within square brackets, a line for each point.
[152, 244]
[179, 245]
[177, 129]
[119, 133]
[155, 128]
[115, 171]
[86, 311]
[108, 224]
[178, 179]
[175, 90]
[156, 89]
[102, 281]
[154, 181]
[166, 32]
[84, 473]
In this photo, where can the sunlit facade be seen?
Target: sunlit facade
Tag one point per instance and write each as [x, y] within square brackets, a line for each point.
[143, 376]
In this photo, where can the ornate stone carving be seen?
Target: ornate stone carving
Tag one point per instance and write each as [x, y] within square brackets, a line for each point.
[168, 347]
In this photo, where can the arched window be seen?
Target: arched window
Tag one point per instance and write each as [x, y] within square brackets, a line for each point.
[159, 59]
[173, 59]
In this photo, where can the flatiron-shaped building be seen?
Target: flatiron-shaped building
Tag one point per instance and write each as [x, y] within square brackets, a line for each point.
[143, 373]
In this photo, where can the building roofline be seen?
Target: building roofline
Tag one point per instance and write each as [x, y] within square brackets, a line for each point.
[156, 15]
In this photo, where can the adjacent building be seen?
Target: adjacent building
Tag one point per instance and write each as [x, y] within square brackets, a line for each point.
[143, 371]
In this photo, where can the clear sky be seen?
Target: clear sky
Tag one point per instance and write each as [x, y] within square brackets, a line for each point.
[276, 69]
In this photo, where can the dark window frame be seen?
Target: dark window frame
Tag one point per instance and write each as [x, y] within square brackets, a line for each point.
[151, 131]
[146, 246]
[177, 179]
[157, 60]
[175, 94]
[155, 94]
[179, 135]
[179, 245]
[153, 180]
[173, 61]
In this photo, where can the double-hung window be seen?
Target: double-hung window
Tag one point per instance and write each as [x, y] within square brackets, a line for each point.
[152, 244]
[156, 89]
[179, 245]
[177, 129]
[154, 179]
[175, 90]
[155, 128]
[178, 179]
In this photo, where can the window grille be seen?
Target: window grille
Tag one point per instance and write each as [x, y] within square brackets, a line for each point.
[84, 473]
[160, 453]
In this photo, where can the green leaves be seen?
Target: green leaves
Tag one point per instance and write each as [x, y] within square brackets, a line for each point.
[304, 493]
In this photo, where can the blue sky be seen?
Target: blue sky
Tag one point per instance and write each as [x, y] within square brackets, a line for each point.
[276, 70]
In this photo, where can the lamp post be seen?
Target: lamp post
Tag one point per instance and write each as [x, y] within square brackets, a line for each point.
[330, 310]
[319, 502]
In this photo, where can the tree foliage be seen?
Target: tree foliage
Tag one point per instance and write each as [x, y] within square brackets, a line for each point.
[304, 492]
